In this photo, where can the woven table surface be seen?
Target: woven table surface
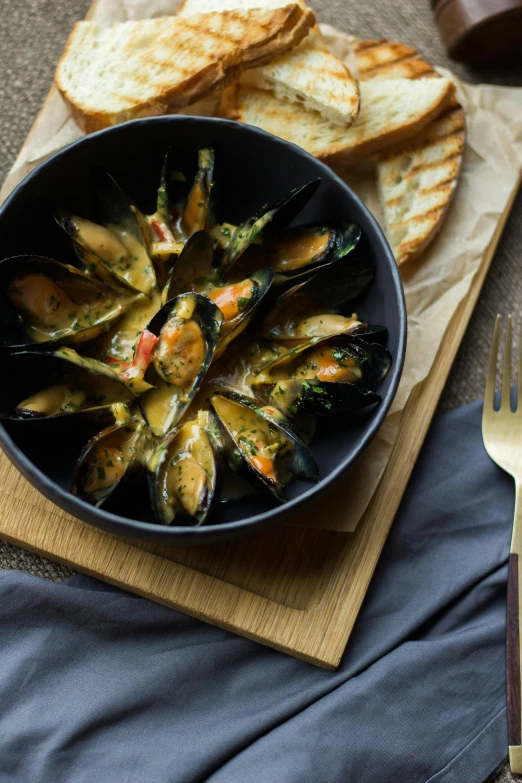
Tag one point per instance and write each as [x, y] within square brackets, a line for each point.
[33, 33]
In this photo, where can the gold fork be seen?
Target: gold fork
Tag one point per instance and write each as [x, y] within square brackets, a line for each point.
[502, 435]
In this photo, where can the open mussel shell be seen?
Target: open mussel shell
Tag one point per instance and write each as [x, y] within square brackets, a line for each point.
[114, 245]
[290, 326]
[52, 303]
[279, 215]
[187, 328]
[296, 397]
[115, 455]
[260, 444]
[47, 386]
[90, 264]
[134, 385]
[344, 359]
[335, 287]
[197, 215]
[193, 270]
[239, 303]
[163, 248]
[301, 250]
[164, 212]
[185, 473]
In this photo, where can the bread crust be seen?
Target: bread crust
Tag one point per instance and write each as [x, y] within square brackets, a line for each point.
[341, 154]
[367, 149]
[384, 59]
[288, 26]
[339, 102]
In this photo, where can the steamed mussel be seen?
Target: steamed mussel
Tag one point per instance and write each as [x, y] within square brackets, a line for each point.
[324, 375]
[299, 251]
[261, 444]
[113, 246]
[187, 331]
[268, 219]
[196, 349]
[53, 302]
[113, 456]
[61, 383]
[322, 303]
[185, 472]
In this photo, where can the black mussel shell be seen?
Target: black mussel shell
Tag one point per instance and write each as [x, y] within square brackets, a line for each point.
[115, 211]
[54, 387]
[317, 246]
[193, 270]
[161, 230]
[90, 263]
[197, 215]
[279, 215]
[134, 384]
[71, 307]
[291, 326]
[374, 358]
[336, 287]
[165, 197]
[188, 459]
[115, 455]
[241, 444]
[164, 406]
[231, 329]
[317, 398]
[114, 245]
[370, 362]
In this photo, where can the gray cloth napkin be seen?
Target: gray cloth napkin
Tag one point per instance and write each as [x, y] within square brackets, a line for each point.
[99, 686]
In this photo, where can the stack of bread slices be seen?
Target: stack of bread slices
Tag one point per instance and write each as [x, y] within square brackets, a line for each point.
[267, 65]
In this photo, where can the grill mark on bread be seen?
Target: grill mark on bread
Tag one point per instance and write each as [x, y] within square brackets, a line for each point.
[310, 75]
[388, 115]
[161, 65]
[413, 213]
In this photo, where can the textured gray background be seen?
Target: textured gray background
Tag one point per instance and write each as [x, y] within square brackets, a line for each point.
[32, 35]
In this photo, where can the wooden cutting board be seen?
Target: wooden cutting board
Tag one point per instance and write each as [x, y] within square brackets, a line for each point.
[298, 590]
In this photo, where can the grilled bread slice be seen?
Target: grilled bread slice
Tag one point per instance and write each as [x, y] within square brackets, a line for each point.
[108, 75]
[310, 74]
[391, 112]
[416, 181]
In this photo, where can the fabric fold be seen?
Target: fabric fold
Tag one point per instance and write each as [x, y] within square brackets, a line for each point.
[97, 684]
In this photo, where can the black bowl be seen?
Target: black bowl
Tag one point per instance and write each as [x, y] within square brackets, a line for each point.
[252, 168]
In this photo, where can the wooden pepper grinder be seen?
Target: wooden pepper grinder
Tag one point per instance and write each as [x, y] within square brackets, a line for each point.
[475, 31]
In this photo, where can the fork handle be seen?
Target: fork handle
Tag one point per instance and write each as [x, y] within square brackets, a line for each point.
[513, 655]
[513, 635]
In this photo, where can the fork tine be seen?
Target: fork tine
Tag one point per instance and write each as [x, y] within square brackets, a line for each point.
[489, 393]
[505, 401]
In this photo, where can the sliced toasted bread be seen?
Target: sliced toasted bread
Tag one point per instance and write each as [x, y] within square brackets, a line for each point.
[416, 181]
[384, 59]
[310, 75]
[112, 74]
[391, 112]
